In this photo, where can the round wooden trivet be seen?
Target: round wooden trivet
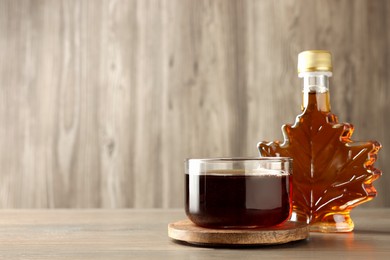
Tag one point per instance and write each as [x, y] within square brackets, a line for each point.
[187, 231]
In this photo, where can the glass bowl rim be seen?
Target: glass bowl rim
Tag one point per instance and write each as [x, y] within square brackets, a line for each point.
[239, 159]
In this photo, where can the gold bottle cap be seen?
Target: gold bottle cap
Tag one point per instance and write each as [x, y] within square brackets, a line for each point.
[314, 60]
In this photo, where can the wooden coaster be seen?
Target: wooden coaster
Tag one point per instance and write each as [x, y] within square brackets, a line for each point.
[187, 231]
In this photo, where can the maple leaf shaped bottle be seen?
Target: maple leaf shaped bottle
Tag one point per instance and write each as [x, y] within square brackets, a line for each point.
[331, 173]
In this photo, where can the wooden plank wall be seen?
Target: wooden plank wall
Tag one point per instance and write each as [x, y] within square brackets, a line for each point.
[101, 101]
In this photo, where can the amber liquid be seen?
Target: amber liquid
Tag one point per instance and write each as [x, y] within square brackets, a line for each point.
[235, 201]
[332, 173]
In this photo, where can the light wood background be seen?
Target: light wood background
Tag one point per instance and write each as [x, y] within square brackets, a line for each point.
[101, 101]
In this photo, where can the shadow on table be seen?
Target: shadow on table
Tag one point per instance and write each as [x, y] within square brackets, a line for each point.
[223, 246]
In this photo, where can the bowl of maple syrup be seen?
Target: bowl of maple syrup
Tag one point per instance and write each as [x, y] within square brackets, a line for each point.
[238, 192]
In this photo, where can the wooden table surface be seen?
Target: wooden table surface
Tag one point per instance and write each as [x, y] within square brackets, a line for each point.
[142, 234]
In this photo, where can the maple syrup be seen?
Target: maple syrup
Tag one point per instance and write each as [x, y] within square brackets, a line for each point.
[238, 193]
[237, 201]
[332, 173]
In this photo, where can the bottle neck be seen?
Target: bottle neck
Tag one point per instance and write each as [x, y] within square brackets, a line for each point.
[316, 91]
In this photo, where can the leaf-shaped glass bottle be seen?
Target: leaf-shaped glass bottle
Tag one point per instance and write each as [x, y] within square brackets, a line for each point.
[331, 173]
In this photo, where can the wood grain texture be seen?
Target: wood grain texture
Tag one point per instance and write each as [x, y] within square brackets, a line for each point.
[101, 101]
[186, 231]
[142, 234]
